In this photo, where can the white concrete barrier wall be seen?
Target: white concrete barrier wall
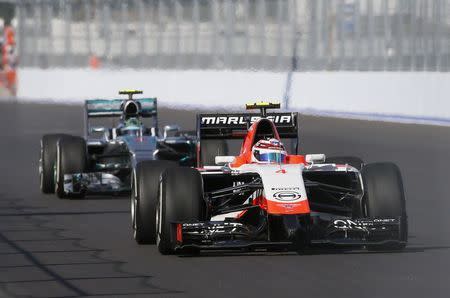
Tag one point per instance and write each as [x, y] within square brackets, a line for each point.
[397, 96]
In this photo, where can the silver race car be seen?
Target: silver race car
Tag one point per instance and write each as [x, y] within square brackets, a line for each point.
[103, 160]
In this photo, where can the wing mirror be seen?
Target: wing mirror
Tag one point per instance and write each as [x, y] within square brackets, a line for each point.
[223, 160]
[171, 131]
[98, 129]
[315, 158]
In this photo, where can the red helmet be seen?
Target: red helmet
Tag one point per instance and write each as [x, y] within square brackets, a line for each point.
[269, 151]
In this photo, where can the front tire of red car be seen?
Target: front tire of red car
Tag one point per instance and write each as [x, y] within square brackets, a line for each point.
[144, 197]
[180, 200]
[384, 198]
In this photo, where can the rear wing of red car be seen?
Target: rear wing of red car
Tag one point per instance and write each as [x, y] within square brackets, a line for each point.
[235, 126]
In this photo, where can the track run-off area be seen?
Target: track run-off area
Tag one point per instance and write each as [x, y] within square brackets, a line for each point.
[84, 248]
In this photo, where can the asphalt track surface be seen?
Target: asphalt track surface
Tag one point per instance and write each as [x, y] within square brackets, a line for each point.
[84, 248]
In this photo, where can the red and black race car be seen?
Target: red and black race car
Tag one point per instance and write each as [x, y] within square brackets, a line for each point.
[265, 197]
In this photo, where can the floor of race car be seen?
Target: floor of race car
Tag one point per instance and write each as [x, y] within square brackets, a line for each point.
[84, 248]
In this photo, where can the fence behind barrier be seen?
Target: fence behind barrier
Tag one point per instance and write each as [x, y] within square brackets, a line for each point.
[278, 35]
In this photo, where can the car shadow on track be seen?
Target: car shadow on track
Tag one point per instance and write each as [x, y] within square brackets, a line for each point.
[101, 197]
[315, 252]
[62, 213]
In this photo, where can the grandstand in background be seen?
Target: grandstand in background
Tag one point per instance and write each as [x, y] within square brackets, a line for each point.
[274, 35]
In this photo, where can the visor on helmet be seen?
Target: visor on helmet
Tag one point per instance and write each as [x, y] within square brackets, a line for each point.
[270, 157]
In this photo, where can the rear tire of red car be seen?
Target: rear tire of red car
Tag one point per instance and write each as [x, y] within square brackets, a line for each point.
[144, 197]
[211, 149]
[47, 162]
[71, 158]
[180, 200]
[354, 161]
[384, 198]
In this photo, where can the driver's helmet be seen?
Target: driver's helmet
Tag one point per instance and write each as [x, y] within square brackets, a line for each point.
[269, 151]
[132, 126]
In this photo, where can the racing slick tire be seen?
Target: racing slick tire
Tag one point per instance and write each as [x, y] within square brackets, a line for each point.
[71, 157]
[47, 162]
[144, 197]
[211, 149]
[180, 200]
[384, 197]
[354, 161]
